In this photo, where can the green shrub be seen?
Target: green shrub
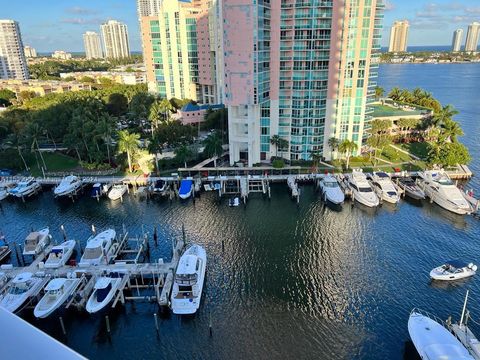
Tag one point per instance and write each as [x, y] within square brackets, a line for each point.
[278, 164]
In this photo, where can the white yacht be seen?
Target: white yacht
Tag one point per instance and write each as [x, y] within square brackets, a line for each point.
[411, 188]
[441, 190]
[99, 249]
[433, 340]
[60, 254]
[453, 270]
[384, 187]
[117, 192]
[188, 282]
[104, 291]
[36, 242]
[25, 188]
[331, 190]
[22, 287]
[68, 186]
[57, 292]
[361, 189]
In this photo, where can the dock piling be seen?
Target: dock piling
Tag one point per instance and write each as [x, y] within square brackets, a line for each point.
[63, 232]
[210, 324]
[107, 321]
[63, 326]
[156, 321]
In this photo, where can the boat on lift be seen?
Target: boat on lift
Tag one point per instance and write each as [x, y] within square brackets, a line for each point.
[411, 188]
[453, 270]
[331, 190]
[36, 242]
[186, 189]
[361, 189]
[4, 190]
[25, 188]
[60, 254]
[57, 292]
[103, 292]
[159, 186]
[99, 190]
[21, 288]
[384, 187]
[117, 191]
[100, 249]
[233, 202]
[68, 186]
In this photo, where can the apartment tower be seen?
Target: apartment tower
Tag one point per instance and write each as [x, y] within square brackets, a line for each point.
[30, 52]
[473, 35]
[399, 36]
[457, 40]
[115, 39]
[13, 64]
[93, 48]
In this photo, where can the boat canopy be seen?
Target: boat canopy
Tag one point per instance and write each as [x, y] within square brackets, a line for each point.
[23, 277]
[185, 186]
[32, 237]
[458, 264]
[55, 284]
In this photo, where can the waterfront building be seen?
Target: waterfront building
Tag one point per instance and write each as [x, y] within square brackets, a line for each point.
[307, 77]
[399, 36]
[457, 40]
[42, 87]
[473, 35]
[119, 77]
[178, 52]
[13, 64]
[61, 55]
[30, 52]
[93, 48]
[115, 39]
[193, 114]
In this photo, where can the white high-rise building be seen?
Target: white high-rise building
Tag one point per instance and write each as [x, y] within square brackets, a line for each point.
[115, 39]
[93, 48]
[473, 35]
[30, 52]
[399, 36]
[61, 55]
[13, 64]
[148, 7]
[457, 40]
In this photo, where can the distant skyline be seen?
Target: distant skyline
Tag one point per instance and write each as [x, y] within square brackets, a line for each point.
[59, 24]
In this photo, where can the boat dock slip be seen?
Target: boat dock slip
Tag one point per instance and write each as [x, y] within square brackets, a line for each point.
[466, 337]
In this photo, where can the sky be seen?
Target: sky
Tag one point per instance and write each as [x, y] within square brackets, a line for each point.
[50, 25]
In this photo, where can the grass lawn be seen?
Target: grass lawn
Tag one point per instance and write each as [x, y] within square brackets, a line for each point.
[385, 111]
[54, 162]
[417, 148]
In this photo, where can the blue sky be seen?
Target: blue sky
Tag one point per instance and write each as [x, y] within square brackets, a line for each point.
[51, 25]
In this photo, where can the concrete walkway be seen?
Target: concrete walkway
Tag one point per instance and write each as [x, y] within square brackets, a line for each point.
[405, 152]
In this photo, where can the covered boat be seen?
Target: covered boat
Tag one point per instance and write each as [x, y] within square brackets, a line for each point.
[68, 186]
[186, 188]
[57, 292]
[99, 249]
[453, 270]
[60, 254]
[331, 190]
[98, 190]
[104, 291]
[36, 242]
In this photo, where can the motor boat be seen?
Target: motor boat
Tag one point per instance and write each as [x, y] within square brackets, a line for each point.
[4, 190]
[361, 189]
[159, 186]
[22, 287]
[100, 249]
[188, 281]
[470, 197]
[99, 190]
[384, 187]
[4, 248]
[433, 340]
[117, 191]
[234, 202]
[331, 190]
[453, 270]
[186, 188]
[69, 185]
[411, 188]
[36, 242]
[25, 188]
[60, 254]
[57, 292]
[103, 292]
[440, 189]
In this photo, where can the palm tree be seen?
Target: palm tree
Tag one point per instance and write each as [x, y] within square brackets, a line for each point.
[379, 92]
[16, 141]
[444, 115]
[394, 94]
[347, 147]
[333, 144]
[128, 143]
[183, 153]
[275, 141]
[452, 129]
[213, 147]
[166, 107]
[33, 133]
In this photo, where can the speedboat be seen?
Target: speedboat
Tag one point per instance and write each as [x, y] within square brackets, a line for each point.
[100, 249]
[411, 188]
[69, 185]
[234, 202]
[57, 292]
[99, 190]
[186, 188]
[361, 189]
[60, 254]
[441, 190]
[103, 292]
[4, 248]
[159, 186]
[188, 281]
[384, 188]
[22, 287]
[25, 188]
[36, 242]
[331, 190]
[453, 270]
[117, 191]
[433, 340]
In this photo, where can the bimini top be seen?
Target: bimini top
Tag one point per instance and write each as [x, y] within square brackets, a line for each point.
[55, 284]
[458, 264]
[23, 277]
[102, 283]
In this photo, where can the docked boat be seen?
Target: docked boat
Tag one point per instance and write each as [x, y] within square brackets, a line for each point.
[186, 188]
[117, 192]
[331, 190]
[4, 248]
[25, 188]
[4, 190]
[433, 340]
[100, 249]
[384, 187]
[234, 202]
[361, 189]
[68, 186]
[440, 189]
[22, 287]
[188, 281]
[57, 292]
[60, 254]
[470, 197]
[411, 188]
[453, 270]
[103, 292]
[99, 190]
[159, 186]
[36, 242]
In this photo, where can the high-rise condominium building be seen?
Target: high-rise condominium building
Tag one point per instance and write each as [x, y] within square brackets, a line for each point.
[115, 39]
[177, 48]
[13, 64]
[399, 36]
[30, 52]
[457, 40]
[93, 48]
[61, 55]
[473, 35]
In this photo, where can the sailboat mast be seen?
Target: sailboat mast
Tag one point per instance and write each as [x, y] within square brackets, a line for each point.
[464, 307]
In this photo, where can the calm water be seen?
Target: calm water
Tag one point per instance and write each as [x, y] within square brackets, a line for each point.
[292, 282]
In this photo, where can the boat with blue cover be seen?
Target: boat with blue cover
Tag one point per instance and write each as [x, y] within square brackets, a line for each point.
[186, 188]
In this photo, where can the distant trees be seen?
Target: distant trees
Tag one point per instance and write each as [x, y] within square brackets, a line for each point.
[6, 97]
[418, 97]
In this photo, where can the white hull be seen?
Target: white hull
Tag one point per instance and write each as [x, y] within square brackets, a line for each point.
[441, 275]
[3, 194]
[26, 191]
[42, 243]
[105, 240]
[446, 204]
[13, 302]
[94, 306]
[67, 191]
[54, 262]
[49, 303]
[369, 201]
[117, 192]
[187, 195]
[334, 195]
